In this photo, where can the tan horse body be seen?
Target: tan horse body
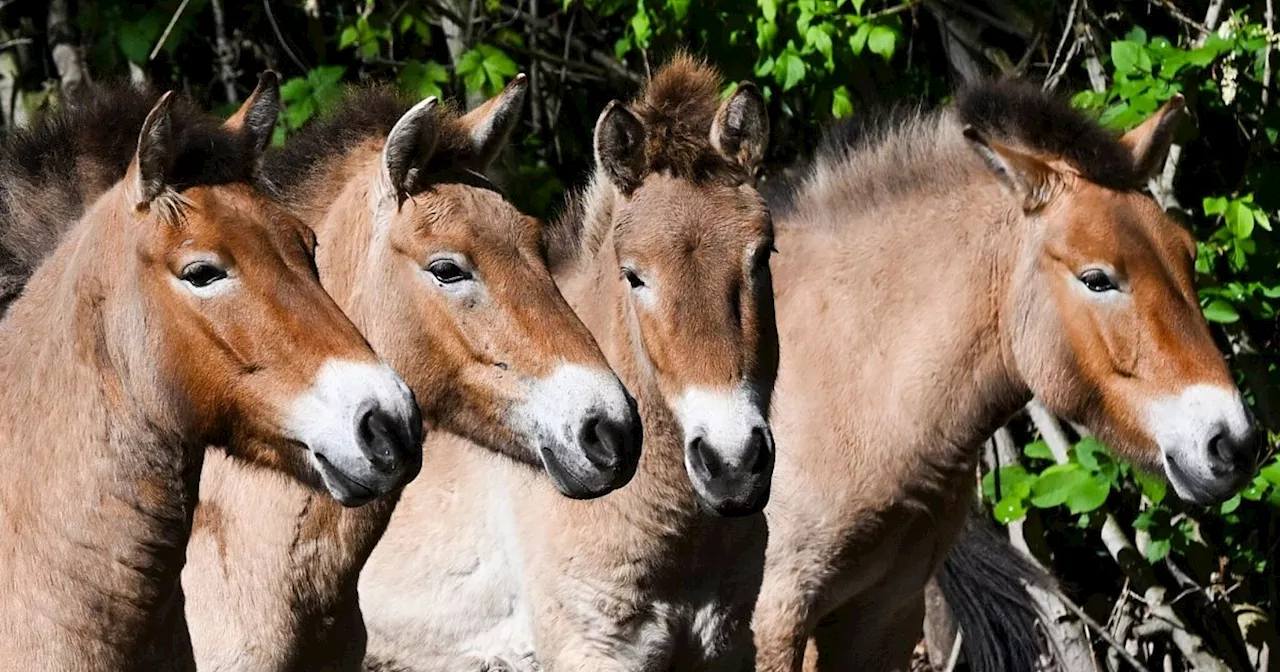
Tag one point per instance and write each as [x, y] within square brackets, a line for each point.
[449, 283]
[181, 310]
[932, 278]
[665, 258]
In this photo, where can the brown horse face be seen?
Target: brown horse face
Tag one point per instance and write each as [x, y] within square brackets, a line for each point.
[254, 354]
[460, 299]
[1113, 335]
[694, 269]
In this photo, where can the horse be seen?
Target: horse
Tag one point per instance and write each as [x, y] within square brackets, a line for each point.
[934, 273]
[181, 310]
[665, 256]
[449, 282]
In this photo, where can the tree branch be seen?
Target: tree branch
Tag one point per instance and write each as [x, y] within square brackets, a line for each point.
[73, 74]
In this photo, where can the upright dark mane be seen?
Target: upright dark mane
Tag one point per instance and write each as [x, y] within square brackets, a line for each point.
[1020, 112]
[915, 146]
[677, 107]
[75, 153]
[365, 113]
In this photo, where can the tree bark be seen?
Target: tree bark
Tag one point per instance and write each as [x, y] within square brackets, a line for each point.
[73, 74]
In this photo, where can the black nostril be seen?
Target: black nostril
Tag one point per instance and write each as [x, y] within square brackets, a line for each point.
[709, 459]
[602, 442]
[758, 451]
[378, 439]
[1231, 453]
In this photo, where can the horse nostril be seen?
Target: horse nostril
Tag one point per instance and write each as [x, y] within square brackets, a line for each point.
[711, 462]
[602, 441]
[1230, 454]
[378, 439]
[758, 451]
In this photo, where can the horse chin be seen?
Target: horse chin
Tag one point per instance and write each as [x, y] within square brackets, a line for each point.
[347, 490]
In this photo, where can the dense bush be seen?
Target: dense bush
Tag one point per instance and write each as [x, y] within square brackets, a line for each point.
[817, 60]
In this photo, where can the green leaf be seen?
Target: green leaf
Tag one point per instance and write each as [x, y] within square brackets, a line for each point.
[881, 41]
[1038, 449]
[1154, 487]
[1009, 510]
[841, 105]
[1221, 312]
[1089, 495]
[859, 40]
[1014, 482]
[1158, 549]
[1271, 473]
[769, 9]
[1125, 55]
[789, 69]
[641, 26]
[1239, 218]
[295, 89]
[1230, 505]
[1216, 205]
[1256, 489]
[1137, 35]
[348, 37]
[1056, 485]
[1088, 451]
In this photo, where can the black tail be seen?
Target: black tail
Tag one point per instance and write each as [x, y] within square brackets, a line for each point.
[982, 581]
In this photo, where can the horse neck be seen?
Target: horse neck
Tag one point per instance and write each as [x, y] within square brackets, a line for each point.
[659, 503]
[100, 507]
[915, 334]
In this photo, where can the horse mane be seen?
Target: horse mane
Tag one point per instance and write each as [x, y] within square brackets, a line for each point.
[363, 113]
[905, 149]
[70, 155]
[677, 107]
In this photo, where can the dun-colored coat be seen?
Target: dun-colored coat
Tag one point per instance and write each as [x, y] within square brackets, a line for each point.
[181, 310]
[932, 276]
[449, 283]
[665, 257]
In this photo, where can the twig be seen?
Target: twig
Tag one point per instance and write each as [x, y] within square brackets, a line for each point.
[275, 28]
[72, 71]
[911, 4]
[1102, 632]
[173, 20]
[600, 58]
[1178, 15]
[15, 42]
[226, 56]
[1051, 80]
[1270, 16]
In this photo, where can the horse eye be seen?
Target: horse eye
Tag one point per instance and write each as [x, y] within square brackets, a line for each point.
[202, 274]
[632, 279]
[447, 272]
[1098, 281]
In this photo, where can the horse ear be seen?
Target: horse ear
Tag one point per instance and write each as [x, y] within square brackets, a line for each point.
[256, 118]
[490, 125]
[1024, 175]
[153, 160]
[740, 131]
[409, 147]
[1149, 142]
[619, 144]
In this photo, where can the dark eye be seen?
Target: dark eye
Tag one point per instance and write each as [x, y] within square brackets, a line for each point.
[632, 279]
[447, 272]
[202, 274]
[1097, 280]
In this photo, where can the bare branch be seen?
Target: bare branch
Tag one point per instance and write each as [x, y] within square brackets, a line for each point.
[173, 20]
[73, 74]
[226, 55]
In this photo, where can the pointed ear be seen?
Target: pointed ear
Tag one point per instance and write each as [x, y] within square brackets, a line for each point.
[256, 118]
[740, 131]
[409, 147]
[490, 125]
[149, 170]
[1149, 142]
[1024, 175]
[619, 144]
